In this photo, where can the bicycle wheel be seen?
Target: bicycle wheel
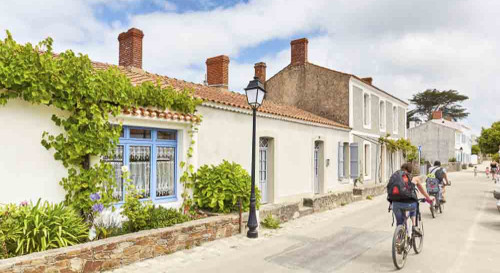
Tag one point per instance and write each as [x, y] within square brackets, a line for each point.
[432, 211]
[399, 243]
[418, 241]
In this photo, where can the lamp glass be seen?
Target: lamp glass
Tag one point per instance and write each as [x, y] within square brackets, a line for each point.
[260, 96]
[252, 96]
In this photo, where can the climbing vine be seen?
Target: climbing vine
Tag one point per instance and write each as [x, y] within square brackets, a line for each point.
[409, 151]
[88, 98]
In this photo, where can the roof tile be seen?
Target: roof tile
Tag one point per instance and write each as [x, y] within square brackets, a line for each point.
[215, 95]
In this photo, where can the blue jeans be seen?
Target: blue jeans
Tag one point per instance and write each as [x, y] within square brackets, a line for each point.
[397, 209]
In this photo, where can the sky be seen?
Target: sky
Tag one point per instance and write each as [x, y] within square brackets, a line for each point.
[405, 46]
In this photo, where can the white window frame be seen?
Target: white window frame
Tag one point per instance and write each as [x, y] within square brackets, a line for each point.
[367, 164]
[367, 116]
[395, 120]
[383, 117]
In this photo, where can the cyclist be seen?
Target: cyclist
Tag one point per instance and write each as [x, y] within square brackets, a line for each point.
[494, 168]
[409, 203]
[441, 175]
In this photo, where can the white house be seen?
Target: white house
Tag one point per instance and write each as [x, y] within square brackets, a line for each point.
[298, 151]
[442, 139]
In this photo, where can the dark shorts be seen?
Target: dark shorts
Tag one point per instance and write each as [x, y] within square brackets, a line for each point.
[397, 208]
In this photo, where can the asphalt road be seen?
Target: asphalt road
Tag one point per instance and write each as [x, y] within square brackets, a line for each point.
[357, 238]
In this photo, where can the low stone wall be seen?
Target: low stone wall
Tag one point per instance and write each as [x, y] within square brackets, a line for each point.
[285, 212]
[329, 201]
[374, 190]
[452, 167]
[122, 250]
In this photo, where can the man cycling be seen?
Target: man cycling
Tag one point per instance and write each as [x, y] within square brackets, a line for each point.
[403, 195]
[440, 174]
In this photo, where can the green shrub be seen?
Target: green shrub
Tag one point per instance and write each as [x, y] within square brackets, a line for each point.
[369, 197]
[137, 212]
[452, 159]
[219, 188]
[162, 217]
[40, 227]
[271, 222]
[10, 230]
[144, 215]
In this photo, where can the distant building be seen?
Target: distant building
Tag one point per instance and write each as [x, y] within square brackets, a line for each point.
[442, 139]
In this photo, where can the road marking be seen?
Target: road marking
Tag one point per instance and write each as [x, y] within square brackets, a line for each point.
[470, 238]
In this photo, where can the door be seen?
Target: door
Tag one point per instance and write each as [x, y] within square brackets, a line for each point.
[264, 169]
[316, 167]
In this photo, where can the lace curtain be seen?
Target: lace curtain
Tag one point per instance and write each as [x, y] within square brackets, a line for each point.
[165, 170]
[140, 168]
[116, 160]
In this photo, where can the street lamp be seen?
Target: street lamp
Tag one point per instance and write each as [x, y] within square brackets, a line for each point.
[255, 96]
[461, 157]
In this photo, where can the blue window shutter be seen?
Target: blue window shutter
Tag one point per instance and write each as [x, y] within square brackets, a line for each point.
[354, 160]
[341, 160]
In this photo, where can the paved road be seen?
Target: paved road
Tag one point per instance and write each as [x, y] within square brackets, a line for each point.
[357, 238]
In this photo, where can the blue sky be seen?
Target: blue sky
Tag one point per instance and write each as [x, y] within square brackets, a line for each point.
[405, 46]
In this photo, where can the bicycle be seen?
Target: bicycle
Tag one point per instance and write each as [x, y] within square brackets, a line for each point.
[437, 205]
[404, 238]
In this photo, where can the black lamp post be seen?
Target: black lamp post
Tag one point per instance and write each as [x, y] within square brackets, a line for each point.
[255, 95]
[461, 156]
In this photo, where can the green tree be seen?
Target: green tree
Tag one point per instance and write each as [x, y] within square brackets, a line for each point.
[432, 100]
[489, 141]
[475, 149]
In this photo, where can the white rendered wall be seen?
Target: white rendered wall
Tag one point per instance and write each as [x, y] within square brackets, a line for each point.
[28, 171]
[228, 135]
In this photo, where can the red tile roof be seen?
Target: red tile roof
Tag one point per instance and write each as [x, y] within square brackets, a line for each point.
[211, 94]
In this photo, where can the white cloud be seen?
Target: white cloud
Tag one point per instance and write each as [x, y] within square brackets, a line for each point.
[406, 46]
[169, 6]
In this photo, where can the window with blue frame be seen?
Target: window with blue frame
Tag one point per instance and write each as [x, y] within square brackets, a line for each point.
[151, 157]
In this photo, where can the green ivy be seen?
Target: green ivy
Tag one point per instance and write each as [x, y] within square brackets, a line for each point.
[88, 97]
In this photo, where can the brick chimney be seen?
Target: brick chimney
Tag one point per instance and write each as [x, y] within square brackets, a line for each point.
[260, 71]
[437, 114]
[131, 48]
[368, 80]
[218, 71]
[299, 51]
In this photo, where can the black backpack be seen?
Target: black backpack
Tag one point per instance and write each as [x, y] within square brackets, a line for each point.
[399, 190]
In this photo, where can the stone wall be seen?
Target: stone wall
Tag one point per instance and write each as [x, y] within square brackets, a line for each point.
[452, 167]
[329, 201]
[122, 250]
[312, 88]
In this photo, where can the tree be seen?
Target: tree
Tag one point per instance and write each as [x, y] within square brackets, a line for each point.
[432, 100]
[475, 149]
[489, 141]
